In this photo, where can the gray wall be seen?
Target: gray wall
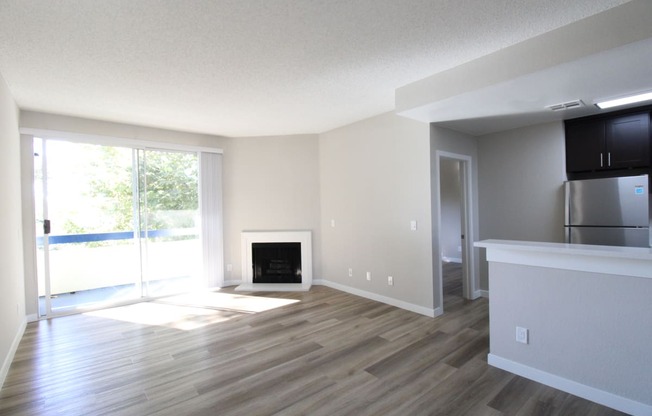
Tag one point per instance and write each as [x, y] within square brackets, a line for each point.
[374, 177]
[12, 306]
[521, 185]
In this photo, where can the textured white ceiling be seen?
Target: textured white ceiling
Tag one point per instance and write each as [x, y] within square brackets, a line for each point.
[251, 67]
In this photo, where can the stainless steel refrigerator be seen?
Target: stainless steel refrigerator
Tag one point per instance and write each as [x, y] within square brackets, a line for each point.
[609, 211]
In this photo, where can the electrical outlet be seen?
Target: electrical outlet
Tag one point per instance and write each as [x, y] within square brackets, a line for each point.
[229, 267]
[522, 335]
[390, 280]
[413, 225]
[333, 223]
[350, 272]
[368, 275]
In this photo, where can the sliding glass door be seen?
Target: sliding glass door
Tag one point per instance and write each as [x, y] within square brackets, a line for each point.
[169, 221]
[115, 224]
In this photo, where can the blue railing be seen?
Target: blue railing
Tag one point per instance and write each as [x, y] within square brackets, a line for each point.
[120, 235]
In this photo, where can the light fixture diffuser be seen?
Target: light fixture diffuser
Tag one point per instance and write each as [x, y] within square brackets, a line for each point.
[630, 99]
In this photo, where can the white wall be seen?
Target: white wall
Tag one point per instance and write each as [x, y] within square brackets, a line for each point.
[270, 183]
[12, 306]
[374, 177]
[451, 206]
[521, 185]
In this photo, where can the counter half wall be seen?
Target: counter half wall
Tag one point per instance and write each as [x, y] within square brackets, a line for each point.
[588, 315]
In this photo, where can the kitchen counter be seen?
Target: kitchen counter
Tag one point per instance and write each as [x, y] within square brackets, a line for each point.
[626, 261]
[586, 315]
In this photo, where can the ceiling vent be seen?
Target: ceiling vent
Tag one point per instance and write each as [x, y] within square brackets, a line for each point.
[566, 106]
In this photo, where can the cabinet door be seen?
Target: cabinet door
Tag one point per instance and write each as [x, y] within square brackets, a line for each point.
[585, 143]
[628, 141]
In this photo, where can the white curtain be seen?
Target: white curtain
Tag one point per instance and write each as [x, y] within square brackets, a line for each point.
[210, 191]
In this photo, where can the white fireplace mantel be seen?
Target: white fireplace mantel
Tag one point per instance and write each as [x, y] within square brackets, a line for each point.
[249, 237]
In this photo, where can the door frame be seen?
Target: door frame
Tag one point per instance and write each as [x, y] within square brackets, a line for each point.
[469, 276]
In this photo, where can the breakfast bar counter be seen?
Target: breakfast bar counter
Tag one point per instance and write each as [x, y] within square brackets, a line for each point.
[574, 317]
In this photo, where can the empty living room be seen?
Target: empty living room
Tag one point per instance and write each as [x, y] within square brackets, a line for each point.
[301, 207]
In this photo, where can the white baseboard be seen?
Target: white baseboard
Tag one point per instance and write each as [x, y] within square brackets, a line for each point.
[380, 298]
[12, 352]
[369, 295]
[32, 317]
[483, 293]
[602, 397]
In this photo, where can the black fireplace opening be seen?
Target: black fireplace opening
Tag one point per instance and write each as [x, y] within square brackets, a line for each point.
[276, 262]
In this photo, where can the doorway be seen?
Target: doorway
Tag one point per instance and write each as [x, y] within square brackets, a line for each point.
[454, 256]
[114, 224]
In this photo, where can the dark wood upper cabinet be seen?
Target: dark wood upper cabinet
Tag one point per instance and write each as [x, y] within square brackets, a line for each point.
[605, 143]
[585, 143]
[628, 141]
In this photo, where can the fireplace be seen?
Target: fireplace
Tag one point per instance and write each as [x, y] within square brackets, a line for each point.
[276, 261]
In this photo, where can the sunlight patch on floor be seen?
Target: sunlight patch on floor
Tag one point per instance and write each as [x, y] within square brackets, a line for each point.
[228, 301]
[193, 310]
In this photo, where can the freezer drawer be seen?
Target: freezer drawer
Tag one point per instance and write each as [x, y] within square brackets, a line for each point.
[620, 202]
[628, 237]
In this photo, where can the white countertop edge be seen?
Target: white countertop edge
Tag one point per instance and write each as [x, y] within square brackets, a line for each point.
[623, 261]
[639, 253]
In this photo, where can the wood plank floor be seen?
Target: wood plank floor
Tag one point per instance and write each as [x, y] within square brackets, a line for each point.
[323, 352]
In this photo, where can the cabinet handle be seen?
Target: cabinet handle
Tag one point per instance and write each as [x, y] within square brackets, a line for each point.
[609, 159]
[601, 161]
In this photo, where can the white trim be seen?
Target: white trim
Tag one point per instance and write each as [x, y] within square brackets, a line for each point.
[468, 265]
[602, 397]
[32, 317]
[12, 351]
[483, 293]
[299, 236]
[432, 313]
[228, 283]
[115, 141]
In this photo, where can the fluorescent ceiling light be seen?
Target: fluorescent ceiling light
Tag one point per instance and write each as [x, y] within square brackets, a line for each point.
[646, 96]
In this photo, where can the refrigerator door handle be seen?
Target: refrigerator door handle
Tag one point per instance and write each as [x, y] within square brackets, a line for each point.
[609, 159]
[601, 160]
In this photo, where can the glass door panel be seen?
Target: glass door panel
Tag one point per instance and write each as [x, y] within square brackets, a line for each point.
[90, 256]
[169, 204]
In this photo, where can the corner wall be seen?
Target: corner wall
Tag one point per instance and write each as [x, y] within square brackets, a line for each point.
[12, 307]
[521, 185]
[270, 183]
[374, 177]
